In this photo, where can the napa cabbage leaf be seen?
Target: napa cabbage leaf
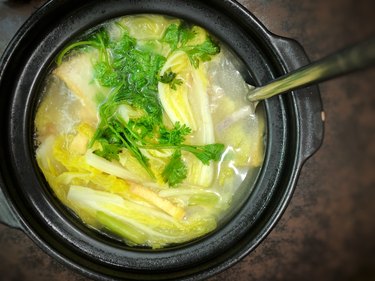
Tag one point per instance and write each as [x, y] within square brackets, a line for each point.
[135, 223]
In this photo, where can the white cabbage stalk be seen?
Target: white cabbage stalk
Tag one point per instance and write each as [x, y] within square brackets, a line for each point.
[137, 224]
[116, 169]
[189, 105]
[111, 168]
[176, 102]
[199, 173]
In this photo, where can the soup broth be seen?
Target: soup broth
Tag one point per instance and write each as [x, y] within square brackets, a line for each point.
[144, 131]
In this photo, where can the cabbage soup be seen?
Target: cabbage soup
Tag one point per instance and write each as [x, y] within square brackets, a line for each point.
[144, 132]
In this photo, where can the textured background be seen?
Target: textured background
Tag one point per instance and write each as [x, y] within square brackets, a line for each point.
[328, 230]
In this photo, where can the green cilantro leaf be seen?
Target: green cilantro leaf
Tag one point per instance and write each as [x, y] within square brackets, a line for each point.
[175, 171]
[176, 136]
[108, 150]
[169, 77]
[106, 75]
[206, 153]
[177, 35]
[171, 36]
[202, 52]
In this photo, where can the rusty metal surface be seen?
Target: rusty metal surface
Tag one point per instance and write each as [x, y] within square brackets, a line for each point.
[328, 230]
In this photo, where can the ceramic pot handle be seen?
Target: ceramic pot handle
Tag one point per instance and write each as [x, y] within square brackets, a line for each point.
[311, 114]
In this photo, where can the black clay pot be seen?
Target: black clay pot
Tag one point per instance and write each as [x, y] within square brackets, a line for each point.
[294, 132]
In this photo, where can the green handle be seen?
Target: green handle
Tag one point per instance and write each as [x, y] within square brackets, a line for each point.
[351, 59]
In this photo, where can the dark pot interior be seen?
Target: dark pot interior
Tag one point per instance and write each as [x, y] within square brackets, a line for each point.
[294, 132]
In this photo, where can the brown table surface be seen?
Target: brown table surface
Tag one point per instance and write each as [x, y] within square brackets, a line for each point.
[328, 230]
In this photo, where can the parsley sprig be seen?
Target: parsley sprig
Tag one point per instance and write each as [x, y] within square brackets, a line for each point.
[178, 37]
[169, 77]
